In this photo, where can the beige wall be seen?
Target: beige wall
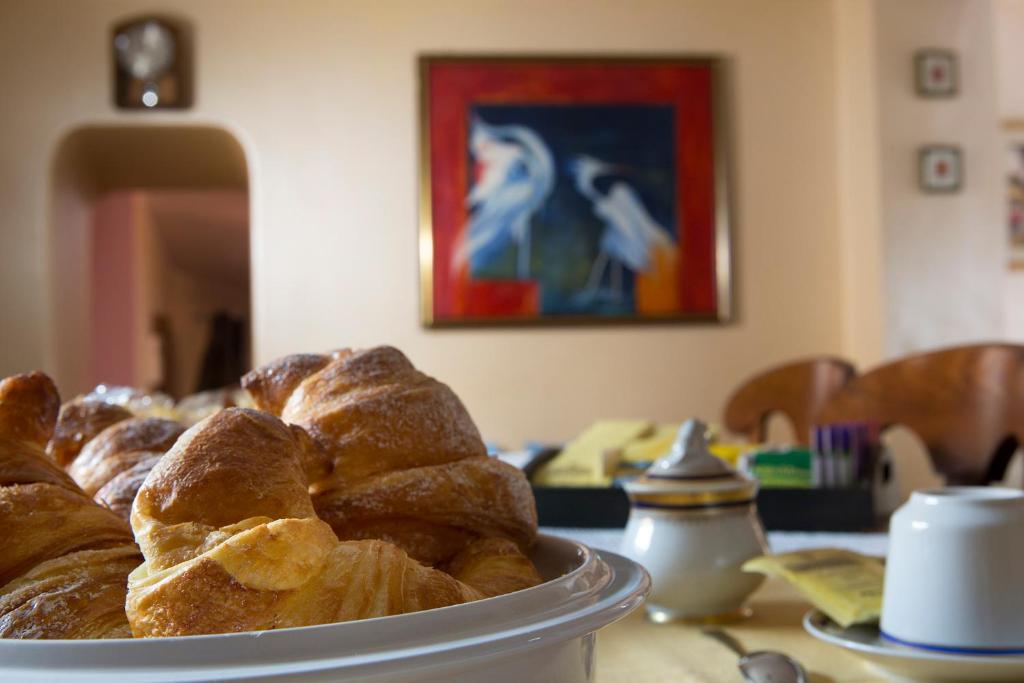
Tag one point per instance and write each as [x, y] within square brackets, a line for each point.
[860, 217]
[323, 98]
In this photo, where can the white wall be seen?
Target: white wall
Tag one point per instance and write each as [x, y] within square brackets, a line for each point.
[1009, 51]
[1008, 23]
[323, 97]
[944, 254]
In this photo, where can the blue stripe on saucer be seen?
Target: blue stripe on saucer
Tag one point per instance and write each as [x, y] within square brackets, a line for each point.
[954, 650]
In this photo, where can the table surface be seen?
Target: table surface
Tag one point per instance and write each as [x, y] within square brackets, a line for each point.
[635, 650]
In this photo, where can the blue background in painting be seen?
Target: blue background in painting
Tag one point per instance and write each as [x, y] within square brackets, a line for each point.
[565, 232]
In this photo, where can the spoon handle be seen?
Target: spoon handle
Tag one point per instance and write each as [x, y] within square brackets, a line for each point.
[725, 639]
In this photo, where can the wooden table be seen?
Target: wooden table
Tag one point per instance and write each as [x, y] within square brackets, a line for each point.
[635, 650]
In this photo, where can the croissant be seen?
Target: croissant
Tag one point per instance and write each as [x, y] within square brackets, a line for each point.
[79, 422]
[108, 449]
[194, 407]
[65, 559]
[232, 542]
[111, 466]
[407, 463]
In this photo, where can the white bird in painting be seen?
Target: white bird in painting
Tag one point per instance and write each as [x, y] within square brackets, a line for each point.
[630, 234]
[516, 176]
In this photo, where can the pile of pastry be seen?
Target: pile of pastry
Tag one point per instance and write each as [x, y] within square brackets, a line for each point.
[356, 487]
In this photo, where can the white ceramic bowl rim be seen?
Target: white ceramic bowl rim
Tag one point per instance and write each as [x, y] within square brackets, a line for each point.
[591, 592]
[958, 495]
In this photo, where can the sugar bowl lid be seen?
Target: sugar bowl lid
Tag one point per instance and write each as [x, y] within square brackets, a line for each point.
[690, 476]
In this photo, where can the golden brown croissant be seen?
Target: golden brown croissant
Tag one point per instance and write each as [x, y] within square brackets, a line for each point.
[65, 559]
[194, 407]
[79, 422]
[232, 542]
[108, 450]
[119, 492]
[84, 417]
[121, 447]
[408, 464]
[493, 566]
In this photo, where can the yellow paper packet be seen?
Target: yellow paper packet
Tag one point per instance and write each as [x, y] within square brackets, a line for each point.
[583, 461]
[843, 584]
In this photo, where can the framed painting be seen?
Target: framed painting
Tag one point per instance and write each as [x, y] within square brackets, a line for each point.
[572, 190]
[1014, 140]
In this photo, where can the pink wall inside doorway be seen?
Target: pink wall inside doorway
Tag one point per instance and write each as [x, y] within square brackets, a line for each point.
[113, 295]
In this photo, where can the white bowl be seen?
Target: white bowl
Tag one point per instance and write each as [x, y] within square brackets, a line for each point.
[544, 633]
[952, 578]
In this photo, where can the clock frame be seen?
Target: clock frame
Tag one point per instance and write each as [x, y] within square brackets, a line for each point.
[169, 89]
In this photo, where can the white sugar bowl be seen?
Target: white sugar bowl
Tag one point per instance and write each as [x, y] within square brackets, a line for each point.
[693, 523]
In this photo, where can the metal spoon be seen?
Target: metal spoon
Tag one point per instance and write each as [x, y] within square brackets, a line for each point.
[763, 666]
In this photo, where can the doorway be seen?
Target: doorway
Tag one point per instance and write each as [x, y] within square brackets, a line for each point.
[150, 255]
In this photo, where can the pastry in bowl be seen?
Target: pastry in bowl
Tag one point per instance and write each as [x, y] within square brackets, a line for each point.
[80, 421]
[406, 464]
[232, 542]
[238, 518]
[108, 450]
[65, 558]
[194, 407]
[112, 466]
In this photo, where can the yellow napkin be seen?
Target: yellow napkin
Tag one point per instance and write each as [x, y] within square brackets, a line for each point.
[583, 461]
[845, 585]
[617, 447]
[650, 447]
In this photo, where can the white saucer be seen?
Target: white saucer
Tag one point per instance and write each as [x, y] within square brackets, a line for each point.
[910, 663]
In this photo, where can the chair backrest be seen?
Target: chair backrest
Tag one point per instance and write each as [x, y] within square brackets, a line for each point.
[799, 390]
[966, 403]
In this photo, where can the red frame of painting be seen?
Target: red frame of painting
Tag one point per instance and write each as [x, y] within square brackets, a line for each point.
[692, 86]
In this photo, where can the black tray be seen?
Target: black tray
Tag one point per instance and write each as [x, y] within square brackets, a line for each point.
[780, 509]
[592, 508]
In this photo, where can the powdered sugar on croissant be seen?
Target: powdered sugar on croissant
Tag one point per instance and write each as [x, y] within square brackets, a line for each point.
[407, 463]
[107, 450]
[232, 542]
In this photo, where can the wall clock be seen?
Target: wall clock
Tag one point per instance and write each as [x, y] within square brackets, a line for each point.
[151, 65]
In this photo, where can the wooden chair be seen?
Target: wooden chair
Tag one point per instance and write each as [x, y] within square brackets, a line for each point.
[966, 403]
[798, 390]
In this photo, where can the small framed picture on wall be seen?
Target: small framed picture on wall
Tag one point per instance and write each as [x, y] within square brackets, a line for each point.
[935, 73]
[940, 168]
[1014, 146]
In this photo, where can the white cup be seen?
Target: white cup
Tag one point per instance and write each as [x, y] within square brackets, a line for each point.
[954, 578]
